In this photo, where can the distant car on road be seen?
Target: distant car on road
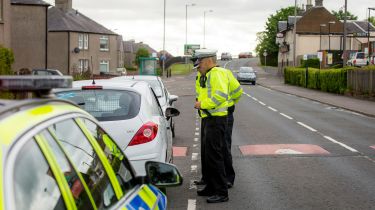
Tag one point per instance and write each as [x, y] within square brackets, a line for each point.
[46, 72]
[358, 59]
[226, 56]
[247, 74]
[245, 55]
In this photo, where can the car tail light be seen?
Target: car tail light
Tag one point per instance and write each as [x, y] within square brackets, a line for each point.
[145, 134]
[355, 61]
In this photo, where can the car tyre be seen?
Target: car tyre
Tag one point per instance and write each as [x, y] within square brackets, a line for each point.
[254, 83]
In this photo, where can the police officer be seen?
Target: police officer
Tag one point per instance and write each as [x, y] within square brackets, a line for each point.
[212, 103]
[235, 93]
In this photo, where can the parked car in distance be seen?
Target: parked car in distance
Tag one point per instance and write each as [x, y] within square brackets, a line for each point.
[358, 59]
[247, 74]
[46, 72]
[131, 113]
[59, 157]
[165, 98]
[226, 56]
[245, 55]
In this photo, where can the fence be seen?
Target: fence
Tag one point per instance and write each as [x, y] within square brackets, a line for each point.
[361, 81]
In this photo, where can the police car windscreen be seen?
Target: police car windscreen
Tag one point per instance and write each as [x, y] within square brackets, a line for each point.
[105, 105]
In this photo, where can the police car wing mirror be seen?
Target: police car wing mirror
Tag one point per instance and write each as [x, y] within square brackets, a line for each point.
[163, 174]
[172, 98]
[171, 112]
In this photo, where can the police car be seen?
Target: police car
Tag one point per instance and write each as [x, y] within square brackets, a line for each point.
[54, 155]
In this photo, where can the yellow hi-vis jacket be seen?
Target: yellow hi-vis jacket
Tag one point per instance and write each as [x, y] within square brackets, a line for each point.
[215, 95]
[235, 89]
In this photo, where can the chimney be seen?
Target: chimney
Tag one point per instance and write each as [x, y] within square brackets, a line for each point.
[318, 3]
[64, 5]
[309, 5]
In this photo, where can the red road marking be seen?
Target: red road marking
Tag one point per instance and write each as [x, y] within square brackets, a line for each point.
[179, 151]
[281, 149]
[373, 147]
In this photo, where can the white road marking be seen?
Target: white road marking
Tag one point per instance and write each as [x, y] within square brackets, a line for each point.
[255, 99]
[265, 88]
[306, 126]
[341, 144]
[197, 129]
[262, 103]
[194, 168]
[226, 64]
[290, 118]
[195, 145]
[273, 109]
[192, 185]
[197, 134]
[192, 204]
[195, 139]
[194, 156]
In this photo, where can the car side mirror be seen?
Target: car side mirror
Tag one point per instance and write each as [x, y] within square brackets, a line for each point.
[163, 174]
[171, 112]
[172, 98]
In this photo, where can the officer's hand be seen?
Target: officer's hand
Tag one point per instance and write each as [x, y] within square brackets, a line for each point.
[197, 105]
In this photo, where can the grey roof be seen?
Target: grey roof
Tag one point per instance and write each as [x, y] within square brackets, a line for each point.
[30, 2]
[353, 26]
[75, 21]
[282, 26]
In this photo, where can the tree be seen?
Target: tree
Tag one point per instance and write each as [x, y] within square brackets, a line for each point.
[372, 20]
[142, 52]
[6, 61]
[340, 15]
[267, 39]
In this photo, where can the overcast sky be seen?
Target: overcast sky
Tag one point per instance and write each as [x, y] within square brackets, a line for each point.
[231, 27]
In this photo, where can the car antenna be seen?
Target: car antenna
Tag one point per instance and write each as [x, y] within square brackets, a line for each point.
[92, 73]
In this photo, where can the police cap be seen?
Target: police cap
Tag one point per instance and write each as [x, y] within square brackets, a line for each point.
[203, 53]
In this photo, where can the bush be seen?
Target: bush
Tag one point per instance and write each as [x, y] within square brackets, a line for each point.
[311, 63]
[328, 80]
[6, 61]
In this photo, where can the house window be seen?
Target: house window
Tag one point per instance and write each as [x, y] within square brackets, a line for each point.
[80, 41]
[1, 10]
[83, 41]
[104, 66]
[83, 65]
[104, 43]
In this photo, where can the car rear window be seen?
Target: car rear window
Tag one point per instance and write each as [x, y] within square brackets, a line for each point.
[360, 55]
[106, 105]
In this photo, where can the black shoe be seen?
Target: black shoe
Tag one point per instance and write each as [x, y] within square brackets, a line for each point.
[204, 192]
[200, 182]
[217, 199]
[229, 185]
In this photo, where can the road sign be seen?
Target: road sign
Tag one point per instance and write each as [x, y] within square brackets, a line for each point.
[190, 48]
[329, 58]
[265, 54]
[320, 56]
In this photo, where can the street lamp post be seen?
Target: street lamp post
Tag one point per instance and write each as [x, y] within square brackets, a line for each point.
[165, 3]
[321, 26]
[368, 31]
[186, 31]
[345, 33]
[329, 34]
[204, 27]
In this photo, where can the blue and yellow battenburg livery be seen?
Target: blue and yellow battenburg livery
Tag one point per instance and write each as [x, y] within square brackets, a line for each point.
[54, 155]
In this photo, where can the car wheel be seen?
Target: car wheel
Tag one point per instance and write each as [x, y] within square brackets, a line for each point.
[254, 83]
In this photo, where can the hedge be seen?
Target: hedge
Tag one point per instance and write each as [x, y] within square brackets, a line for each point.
[328, 80]
[313, 63]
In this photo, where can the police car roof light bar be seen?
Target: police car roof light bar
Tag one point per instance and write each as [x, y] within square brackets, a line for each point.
[40, 85]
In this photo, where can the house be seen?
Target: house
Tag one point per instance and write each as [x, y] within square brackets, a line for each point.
[317, 30]
[130, 50]
[28, 33]
[5, 23]
[77, 43]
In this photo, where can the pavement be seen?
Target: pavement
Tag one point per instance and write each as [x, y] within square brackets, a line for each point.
[268, 77]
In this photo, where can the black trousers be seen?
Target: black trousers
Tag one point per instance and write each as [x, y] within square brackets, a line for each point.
[214, 154]
[228, 161]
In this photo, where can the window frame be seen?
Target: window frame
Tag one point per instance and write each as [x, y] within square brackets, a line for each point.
[106, 39]
[80, 41]
[86, 41]
[104, 62]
